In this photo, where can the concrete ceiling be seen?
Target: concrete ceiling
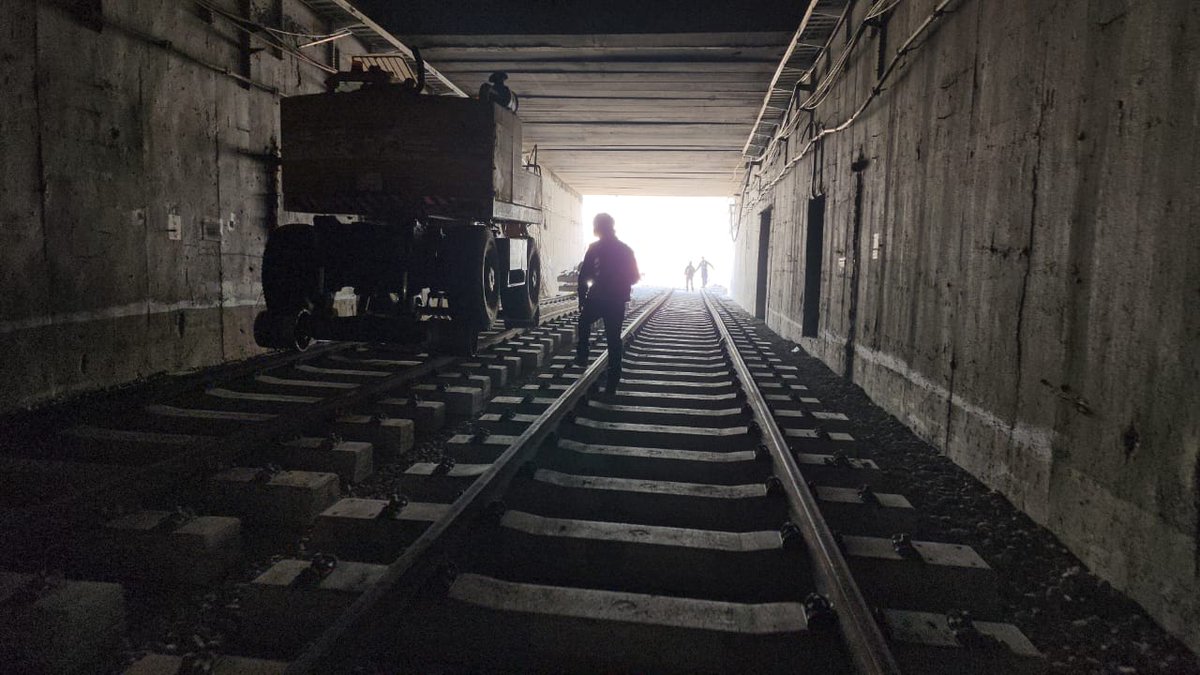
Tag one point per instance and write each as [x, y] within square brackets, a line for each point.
[616, 97]
[627, 114]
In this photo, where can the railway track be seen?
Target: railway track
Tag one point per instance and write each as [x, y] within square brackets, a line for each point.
[680, 525]
[137, 445]
[645, 531]
[668, 528]
[141, 486]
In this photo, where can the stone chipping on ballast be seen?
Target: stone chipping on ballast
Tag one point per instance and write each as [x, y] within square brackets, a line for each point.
[1077, 620]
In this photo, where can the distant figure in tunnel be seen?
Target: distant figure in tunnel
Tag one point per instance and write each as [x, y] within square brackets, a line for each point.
[688, 273]
[704, 265]
[611, 269]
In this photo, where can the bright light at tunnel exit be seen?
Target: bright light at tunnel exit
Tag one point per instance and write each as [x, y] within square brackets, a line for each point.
[668, 232]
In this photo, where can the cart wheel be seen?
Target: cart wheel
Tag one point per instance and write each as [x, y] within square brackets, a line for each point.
[290, 270]
[453, 338]
[274, 330]
[521, 302]
[474, 275]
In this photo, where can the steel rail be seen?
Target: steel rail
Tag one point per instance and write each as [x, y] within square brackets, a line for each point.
[404, 572]
[868, 648]
[76, 510]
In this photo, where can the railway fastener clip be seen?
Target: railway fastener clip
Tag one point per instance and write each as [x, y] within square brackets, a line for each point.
[508, 415]
[494, 511]
[320, 566]
[839, 460]
[266, 473]
[330, 442]
[962, 625]
[902, 543]
[198, 663]
[177, 518]
[867, 495]
[818, 611]
[790, 536]
[396, 504]
[42, 582]
[774, 486]
[444, 466]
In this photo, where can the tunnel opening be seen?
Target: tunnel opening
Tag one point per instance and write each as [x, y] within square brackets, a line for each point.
[667, 234]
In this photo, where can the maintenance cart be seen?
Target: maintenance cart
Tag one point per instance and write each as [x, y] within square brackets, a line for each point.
[422, 206]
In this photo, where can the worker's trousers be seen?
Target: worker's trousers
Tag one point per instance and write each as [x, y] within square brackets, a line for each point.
[612, 312]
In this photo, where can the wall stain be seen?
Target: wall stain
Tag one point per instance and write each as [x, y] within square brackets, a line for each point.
[1131, 441]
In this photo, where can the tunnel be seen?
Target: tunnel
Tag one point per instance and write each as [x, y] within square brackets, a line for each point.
[566, 336]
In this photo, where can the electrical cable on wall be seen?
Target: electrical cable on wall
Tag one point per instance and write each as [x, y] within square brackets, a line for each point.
[821, 91]
[263, 32]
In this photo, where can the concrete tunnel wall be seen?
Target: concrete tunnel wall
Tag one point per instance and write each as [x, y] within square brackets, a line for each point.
[107, 134]
[1019, 281]
[560, 239]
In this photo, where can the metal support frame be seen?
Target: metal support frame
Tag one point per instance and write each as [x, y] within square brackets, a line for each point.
[383, 33]
[783, 64]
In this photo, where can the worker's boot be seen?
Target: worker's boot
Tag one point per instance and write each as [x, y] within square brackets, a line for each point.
[614, 378]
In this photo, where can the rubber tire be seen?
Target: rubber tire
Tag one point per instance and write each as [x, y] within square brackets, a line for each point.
[282, 331]
[290, 269]
[521, 303]
[473, 282]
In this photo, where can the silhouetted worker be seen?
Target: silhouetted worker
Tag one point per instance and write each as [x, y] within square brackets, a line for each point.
[688, 273]
[611, 268]
[704, 265]
[496, 90]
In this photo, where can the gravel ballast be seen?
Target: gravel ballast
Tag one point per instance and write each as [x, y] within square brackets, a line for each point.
[1079, 622]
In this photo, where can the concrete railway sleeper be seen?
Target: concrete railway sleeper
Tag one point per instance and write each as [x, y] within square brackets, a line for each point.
[932, 600]
[710, 516]
[605, 529]
[165, 492]
[615, 533]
